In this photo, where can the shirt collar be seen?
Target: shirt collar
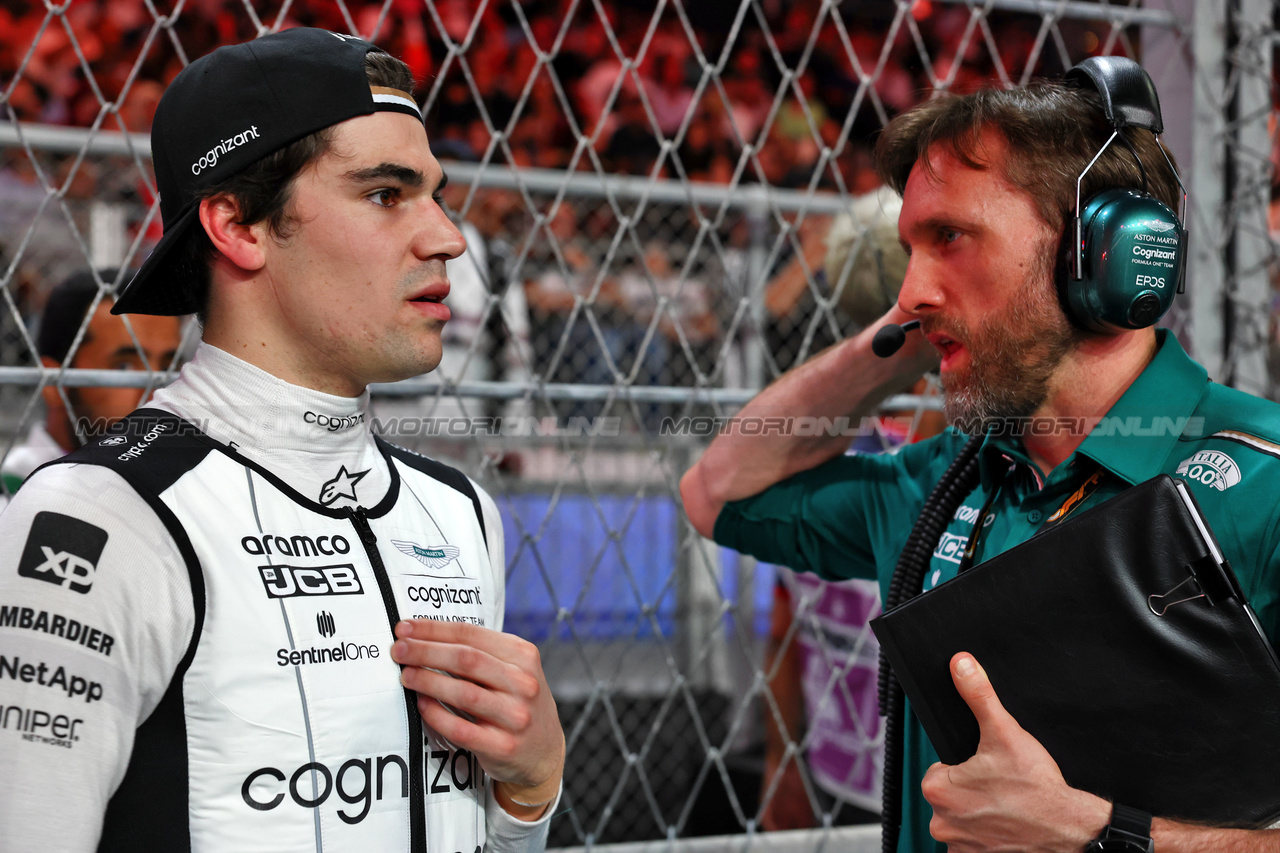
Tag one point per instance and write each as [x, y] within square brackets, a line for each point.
[1141, 429]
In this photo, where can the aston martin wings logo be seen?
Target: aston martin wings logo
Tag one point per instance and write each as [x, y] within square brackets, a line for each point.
[433, 557]
[1158, 226]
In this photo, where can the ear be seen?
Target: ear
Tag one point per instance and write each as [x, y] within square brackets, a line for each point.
[49, 393]
[242, 245]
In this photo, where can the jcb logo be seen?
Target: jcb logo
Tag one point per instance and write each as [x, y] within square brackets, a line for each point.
[288, 581]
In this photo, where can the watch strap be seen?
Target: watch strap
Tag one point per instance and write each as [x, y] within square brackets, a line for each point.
[1131, 820]
[1129, 831]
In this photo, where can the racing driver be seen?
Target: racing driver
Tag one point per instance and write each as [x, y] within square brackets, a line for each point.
[239, 621]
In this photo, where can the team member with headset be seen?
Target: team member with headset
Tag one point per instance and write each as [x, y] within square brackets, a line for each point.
[229, 625]
[1044, 244]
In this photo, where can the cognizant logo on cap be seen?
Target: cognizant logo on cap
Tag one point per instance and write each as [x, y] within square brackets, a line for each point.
[208, 161]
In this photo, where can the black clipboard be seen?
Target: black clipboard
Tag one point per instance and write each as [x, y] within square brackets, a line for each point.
[1122, 641]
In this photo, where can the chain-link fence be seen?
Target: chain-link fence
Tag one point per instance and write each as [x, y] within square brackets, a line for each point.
[646, 187]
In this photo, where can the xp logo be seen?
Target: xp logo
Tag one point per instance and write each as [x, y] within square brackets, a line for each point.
[113, 441]
[62, 550]
[324, 622]
[433, 556]
[1211, 468]
[288, 581]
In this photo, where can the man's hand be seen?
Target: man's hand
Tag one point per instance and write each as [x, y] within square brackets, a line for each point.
[497, 680]
[1010, 796]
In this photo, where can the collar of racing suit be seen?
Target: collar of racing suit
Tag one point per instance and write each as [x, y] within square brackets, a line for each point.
[319, 444]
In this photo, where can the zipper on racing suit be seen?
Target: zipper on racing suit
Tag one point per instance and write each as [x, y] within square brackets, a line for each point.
[416, 756]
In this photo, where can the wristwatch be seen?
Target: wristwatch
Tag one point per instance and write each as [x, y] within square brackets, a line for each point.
[1128, 832]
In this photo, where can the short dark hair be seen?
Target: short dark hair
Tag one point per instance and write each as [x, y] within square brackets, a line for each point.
[67, 305]
[1052, 131]
[263, 191]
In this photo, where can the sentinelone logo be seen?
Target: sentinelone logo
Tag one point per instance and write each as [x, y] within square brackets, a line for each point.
[325, 654]
[208, 161]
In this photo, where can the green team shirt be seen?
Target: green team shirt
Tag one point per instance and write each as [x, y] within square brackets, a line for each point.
[851, 516]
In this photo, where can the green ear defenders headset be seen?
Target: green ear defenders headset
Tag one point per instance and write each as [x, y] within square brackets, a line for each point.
[1126, 256]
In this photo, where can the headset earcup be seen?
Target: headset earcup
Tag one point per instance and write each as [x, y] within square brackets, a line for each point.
[1132, 256]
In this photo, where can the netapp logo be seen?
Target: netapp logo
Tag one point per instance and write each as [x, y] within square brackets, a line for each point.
[295, 546]
[37, 726]
[78, 547]
[38, 673]
[325, 654]
[333, 423]
[257, 791]
[288, 581]
[30, 619]
[209, 160]
[437, 596]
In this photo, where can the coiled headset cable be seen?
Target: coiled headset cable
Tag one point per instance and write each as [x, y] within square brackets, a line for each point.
[960, 478]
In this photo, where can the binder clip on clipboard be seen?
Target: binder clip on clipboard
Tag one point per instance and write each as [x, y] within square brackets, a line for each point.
[1122, 641]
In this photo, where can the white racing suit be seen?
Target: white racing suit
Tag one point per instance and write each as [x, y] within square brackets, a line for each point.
[196, 618]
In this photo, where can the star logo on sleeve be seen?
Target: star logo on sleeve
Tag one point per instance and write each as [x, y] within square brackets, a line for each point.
[343, 485]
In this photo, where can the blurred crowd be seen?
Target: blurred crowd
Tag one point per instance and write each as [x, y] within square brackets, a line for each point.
[705, 92]
[553, 78]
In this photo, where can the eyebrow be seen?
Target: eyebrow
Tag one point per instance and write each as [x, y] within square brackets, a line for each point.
[388, 172]
[935, 223]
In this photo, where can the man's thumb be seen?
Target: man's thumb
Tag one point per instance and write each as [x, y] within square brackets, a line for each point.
[975, 689]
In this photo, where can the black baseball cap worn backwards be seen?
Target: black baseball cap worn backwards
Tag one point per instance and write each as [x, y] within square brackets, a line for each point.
[230, 109]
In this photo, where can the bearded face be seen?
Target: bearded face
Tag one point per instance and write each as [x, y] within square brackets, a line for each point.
[1013, 354]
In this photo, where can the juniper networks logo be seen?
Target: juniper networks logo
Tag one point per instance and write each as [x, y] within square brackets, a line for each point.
[324, 622]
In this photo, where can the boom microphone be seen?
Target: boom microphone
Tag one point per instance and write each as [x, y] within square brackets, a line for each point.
[890, 338]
